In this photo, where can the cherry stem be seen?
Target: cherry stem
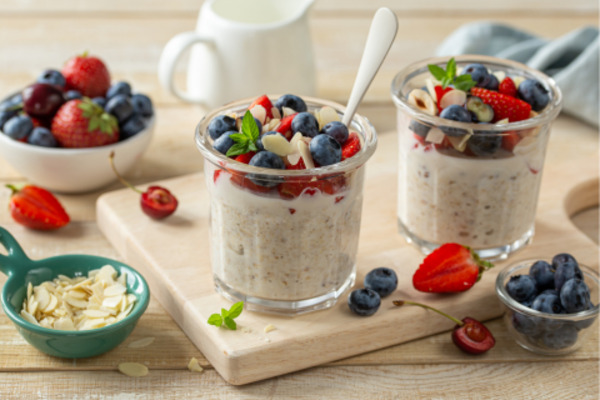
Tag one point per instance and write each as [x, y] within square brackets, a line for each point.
[414, 303]
[123, 181]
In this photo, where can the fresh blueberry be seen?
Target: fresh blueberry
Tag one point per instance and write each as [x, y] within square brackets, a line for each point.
[224, 142]
[491, 83]
[52, 77]
[419, 128]
[142, 105]
[14, 102]
[484, 143]
[455, 113]
[134, 125]
[336, 130]
[120, 106]
[219, 125]
[41, 136]
[101, 101]
[6, 115]
[534, 93]
[382, 280]
[258, 125]
[547, 302]
[561, 338]
[364, 302]
[18, 127]
[72, 95]
[290, 101]
[543, 274]
[479, 73]
[521, 287]
[266, 159]
[121, 87]
[565, 267]
[525, 324]
[325, 150]
[575, 296]
[259, 144]
[306, 123]
[480, 112]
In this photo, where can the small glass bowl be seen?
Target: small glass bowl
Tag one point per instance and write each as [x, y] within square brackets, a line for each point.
[543, 333]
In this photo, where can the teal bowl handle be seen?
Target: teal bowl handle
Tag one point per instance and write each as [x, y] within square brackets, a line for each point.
[16, 257]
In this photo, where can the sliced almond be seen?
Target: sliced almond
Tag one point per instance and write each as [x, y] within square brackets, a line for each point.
[500, 75]
[277, 144]
[459, 142]
[76, 302]
[517, 80]
[194, 366]
[138, 344]
[435, 135]
[42, 296]
[275, 112]
[29, 318]
[133, 369]
[453, 97]
[422, 101]
[326, 115]
[112, 302]
[259, 113]
[431, 88]
[77, 294]
[64, 324]
[96, 313]
[269, 328]
[287, 111]
[305, 154]
[114, 290]
[51, 306]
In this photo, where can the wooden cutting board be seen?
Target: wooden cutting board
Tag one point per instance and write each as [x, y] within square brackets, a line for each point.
[173, 255]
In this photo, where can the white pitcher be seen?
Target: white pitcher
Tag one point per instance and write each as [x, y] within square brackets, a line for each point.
[243, 48]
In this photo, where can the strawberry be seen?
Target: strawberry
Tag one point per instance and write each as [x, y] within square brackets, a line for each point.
[508, 87]
[295, 186]
[245, 158]
[88, 75]
[504, 106]
[241, 180]
[351, 147]
[439, 93]
[82, 123]
[36, 208]
[510, 140]
[450, 268]
[285, 125]
[265, 102]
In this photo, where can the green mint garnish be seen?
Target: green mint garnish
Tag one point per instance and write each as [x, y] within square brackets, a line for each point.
[245, 141]
[448, 76]
[227, 316]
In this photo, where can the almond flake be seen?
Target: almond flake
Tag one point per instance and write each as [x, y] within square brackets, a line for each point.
[326, 115]
[500, 75]
[435, 135]
[133, 369]
[269, 328]
[305, 154]
[194, 366]
[259, 113]
[138, 344]
[277, 144]
[114, 290]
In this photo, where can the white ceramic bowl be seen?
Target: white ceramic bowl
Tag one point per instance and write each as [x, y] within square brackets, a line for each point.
[74, 170]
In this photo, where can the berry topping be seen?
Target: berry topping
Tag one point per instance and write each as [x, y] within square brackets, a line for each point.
[508, 87]
[325, 150]
[364, 302]
[483, 112]
[504, 106]
[455, 113]
[305, 123]
[336, 130]
[479, 73]
[224, 142]
[87, 74]
[266, 159]
[290, 101]
[263, 102]
[382, 280]
[484, 143]
[351, 147]
[36, 208]
[534, 93]
[219, 125]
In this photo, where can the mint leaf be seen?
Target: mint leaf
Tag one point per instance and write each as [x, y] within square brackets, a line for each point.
[236, 309]
[227, 316]
[237, 149]
[249, 127]
[448, 76]
[437, 71]
[451, 68]
[244, 141]
[224, 313]
[230, 323]
[216, 320]
[464, 82]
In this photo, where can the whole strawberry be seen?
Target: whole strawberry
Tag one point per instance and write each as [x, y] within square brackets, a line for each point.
[88, 75]
[83, 123]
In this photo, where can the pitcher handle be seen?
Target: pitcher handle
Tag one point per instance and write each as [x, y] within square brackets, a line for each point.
[15, 258]
[171, 55]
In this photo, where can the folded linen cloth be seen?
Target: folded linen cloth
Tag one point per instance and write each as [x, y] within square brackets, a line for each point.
[572, 60]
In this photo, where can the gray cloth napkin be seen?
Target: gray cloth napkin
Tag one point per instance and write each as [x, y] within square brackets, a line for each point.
[572, 60]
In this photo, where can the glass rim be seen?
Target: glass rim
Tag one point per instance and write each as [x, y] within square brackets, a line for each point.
[366, 131]
[511, 303]
[549, 113]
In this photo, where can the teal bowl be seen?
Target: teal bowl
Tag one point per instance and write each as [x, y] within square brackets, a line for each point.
[21, 271]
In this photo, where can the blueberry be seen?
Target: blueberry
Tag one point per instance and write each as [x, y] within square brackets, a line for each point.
[547, 302]
[134, 125]
[6, 115]
[41, 136]
[419, 128]
[18, 127]
[259, 144]
[306, 123]
[565, 267]
[52, 77]
[224, 142]
[521, 287]
[534, 93]
[484, 144]
[101, 101]
[290, 101]
[142, 105]
[575, 296]
[14, 102]
[72, 95]
[525, 324]
[491, 83]
[382, 280]
[543, 274]
[336, 130]
[455, 113]
[364, 302]
[121, 87]
[325, 150]
[266, 159]
[258, 125]
[120, 106]
[563, 337]
[479, 73]
[480, 112]
[219, 125]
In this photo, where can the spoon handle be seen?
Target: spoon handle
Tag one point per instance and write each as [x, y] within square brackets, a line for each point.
[381, 36]
[15, 257]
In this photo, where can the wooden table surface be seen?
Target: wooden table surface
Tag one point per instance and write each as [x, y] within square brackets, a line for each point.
[129, 36]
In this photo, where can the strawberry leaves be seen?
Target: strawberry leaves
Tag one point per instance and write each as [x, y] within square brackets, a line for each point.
[448, 76]
[98, 119]
[227, 317]
[245, 141]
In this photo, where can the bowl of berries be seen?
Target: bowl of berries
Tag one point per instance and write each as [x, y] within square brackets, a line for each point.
[551, 306]
[59, 131]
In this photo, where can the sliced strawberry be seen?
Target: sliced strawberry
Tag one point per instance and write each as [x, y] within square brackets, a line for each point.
[504, 106]
[510, 140]
[245, 158]
[444, 145]
[37, 208]
[242, 181]
[295, 186]
[352, 146]
[298, 165]
[439, 93]
[285, 126]
[508, 87]
[265, 102]
[420, 139]
[450, 268]
[216, 175]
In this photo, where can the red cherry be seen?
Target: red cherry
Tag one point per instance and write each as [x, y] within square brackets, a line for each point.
[156, 202]
[42, 100]
[469, 335]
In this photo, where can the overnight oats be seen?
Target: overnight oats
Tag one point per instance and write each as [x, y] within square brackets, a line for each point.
[285, 181]
[472, 139]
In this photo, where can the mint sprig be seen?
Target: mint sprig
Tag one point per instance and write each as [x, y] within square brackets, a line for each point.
[245, 141]
[448, 76]
[227, 317]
